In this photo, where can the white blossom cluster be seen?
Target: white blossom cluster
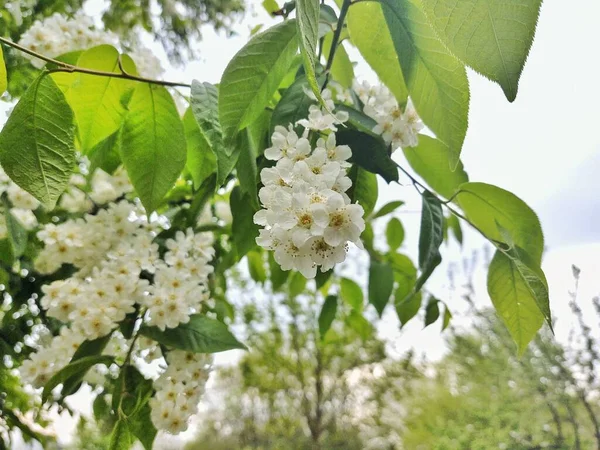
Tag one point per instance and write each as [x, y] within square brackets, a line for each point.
[308, 219]
[178, 390]
[57, 35]
[398, 127]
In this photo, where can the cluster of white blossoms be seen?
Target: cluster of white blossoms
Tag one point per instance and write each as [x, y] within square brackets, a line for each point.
[308, 219]
[57, 35]
[398, 127]
[178, 390]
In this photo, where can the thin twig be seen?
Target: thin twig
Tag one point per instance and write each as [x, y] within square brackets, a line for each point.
[70, 68]
[335, 40]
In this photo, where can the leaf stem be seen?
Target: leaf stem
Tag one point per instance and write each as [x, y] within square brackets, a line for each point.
[70, 68]
[336, 38]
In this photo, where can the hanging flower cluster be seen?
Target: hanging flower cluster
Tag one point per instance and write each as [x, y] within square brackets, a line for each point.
[178, 390]
[398, 127]
[308, 219]
[57, 35]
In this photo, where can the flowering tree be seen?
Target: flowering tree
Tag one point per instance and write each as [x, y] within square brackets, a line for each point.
[117, 247]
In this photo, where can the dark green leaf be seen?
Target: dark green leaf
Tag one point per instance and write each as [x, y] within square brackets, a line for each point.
[352, 294]
[200, 335]
[381, 284]
[364, 190]
[293, 105]
[388, 208]
[430, 160]
[321, 278]
[432, 311]
[253, 76]
[327, 314]
[140, 424]
[74, 368]
[121, 438]
[491, 36]
[37, 142]
[153, 146]
[246, 168]
[431, 235]
[436, 80]
[243, 228]
[369, 152]
[297, 284]
[394, 234]
[407, 305]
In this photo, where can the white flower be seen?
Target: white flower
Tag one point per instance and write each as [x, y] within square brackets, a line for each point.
[336, 153]
[346, 222]
[287, 144]
[223, 212]
[25, 217]
[21, 199]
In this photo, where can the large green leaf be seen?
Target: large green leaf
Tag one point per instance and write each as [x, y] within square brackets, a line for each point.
[490, 208]
[307, 20]
[97, 101]
[253, 75]
[153, 146]
[430, 160]
[201, 160]
[369, 32]
[3, 78]
[243, 228]
[369, 152]
[381, 284]
[491, 36]
[436, 80]
[37, 142]
[514, 297]
[246, 168]
[327, 314]
[74, 368]
[200, 335]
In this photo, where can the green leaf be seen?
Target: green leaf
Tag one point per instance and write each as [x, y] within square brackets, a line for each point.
[358, 323]
[322, 280]
[369, 32]
[243, 228]
[253, 76]
[307, 21]
[406, 302]
[407, 305]
[327, 314]
[381, 284]
[431, 235]
[364, 189]
[454, 226]
[246, 168]
[96, 101]
[487, 206]
[256, 266]
[153, 146]
[394, 234]
[74, 368]
[205, 107]
[388, 208]
[140, 424]
[278, 276]
[432, 311]
[515, 300]
[447, 318]
[342, 69]
[131, 391]
[3, 78]
[436, 80]
[430, 160]
[37, 142]
[297, 284]
[121, 438]
[352, 294]
[491, 36]
[17, 235]
[293, 105]
[201, 160]
[357, 119]
[105, 155]
[270, 6]
[200, 335]
[369, 152]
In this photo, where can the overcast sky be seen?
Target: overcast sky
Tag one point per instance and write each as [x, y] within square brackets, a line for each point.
[544, 147]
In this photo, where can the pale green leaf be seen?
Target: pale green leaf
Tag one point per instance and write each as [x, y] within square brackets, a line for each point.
[406, 301]
[201, 160]
[253, 76]
[342, 69]
[447, 318]
[369, 32]
[3, 78]
[153, 146]
[436, 80]
[513, 299]
[394, 233]
[487, 206]
[491, 36]
[96, 101]
[364, 189]
[200, 335]
[388, 208]
[352, 294]
[430, 160]
[37, 142]
[358, 323]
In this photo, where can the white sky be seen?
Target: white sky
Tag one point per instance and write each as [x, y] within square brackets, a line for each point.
[544, 147]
